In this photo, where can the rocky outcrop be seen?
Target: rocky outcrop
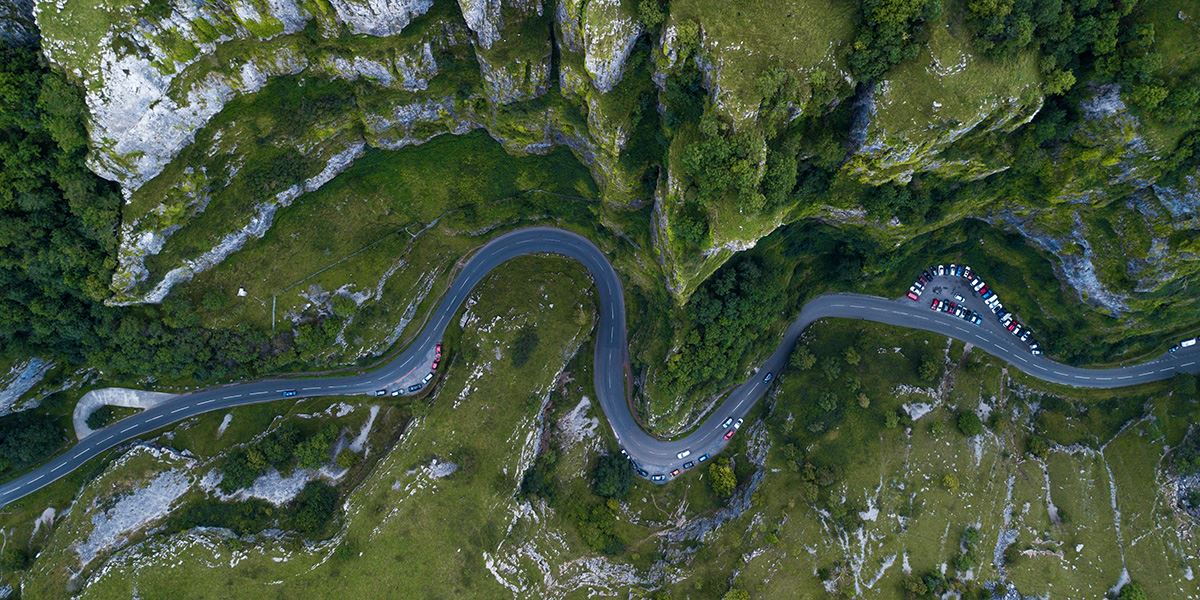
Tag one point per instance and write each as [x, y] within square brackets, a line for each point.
[152, 83]
[379, 17]
[16, 22]
[484, 18]
[604, 32]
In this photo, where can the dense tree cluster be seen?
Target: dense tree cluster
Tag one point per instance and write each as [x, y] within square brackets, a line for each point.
[890, 33]
[726, 317]
[26, 437]
[283, 448]
[612, 477]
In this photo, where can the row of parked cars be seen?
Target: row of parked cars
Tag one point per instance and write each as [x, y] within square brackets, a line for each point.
[416, 387]
[957, 310]
[1184, 344]
[730, 426]
[978, 288]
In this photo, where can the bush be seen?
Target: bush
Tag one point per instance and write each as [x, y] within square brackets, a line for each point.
[930, 370]
[969, 423]
[524, 345]
[539, 478]
[243, 518]
[888, 34]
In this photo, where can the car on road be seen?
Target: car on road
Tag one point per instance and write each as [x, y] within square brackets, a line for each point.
[768, 377]
[427, 377]
[729, 434]
[380, 392]
[689, 464]
[703, 457]
[416, 387]
[727, 423]
[658, 477]
[683, 454]
[289, 393]
[675, 473]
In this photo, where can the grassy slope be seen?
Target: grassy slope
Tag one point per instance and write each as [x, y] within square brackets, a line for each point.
[420, 518]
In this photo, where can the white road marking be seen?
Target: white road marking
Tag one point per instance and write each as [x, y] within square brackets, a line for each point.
[224, 398]
[38, 478]
[1188, 364]
[214, 400]
[128, 429]
[180, 409]
[257, 393]
[154, 418]
[310, 388]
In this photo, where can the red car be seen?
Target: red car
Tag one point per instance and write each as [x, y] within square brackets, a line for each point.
[912, 296]
[934, 305]
[434, 366]
[437, 349]
[729, 434]
[675, 472]
[1011, 326]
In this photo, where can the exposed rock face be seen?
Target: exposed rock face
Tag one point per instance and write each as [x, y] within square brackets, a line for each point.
[483, 17]
[149, 92]
[606, 34]
[16, 22]
[379, 17]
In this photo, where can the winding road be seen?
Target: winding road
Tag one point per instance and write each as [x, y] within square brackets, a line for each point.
[652, 455]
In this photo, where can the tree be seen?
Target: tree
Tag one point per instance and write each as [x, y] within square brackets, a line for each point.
[524, 345]
[736, 594]
[851, 356]
[538, 479]
[969, 423]
[721, 478]
[1132, 591]
[863, 400]
[802, 358]
[650, 13]
[313, 507]
[314, 452]
[612, 477]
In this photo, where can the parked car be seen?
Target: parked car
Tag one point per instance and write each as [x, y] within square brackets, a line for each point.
[397, 392]
[1184, 344]
[658, 477]
[912, 296]
[935, 304]
[675, 473]
[729, 434]
[738, 424]
[380, 392]
[703, 457]
[922, 280]
[959, 297]
[978, 285]
[683, 454]
[689, 464]
[977, 320]
[1011, 325]
[961, 269]
[434, 366]
[437, 349]
[968, 273]
[1017, 330]
[959, 312]
[642, 472]
[941, 270]
[427, 378]
[952, 271]
[727, 423]
[1025, 336]
[416, 387]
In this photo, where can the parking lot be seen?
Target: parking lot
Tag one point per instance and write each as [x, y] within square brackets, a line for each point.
[957, 291]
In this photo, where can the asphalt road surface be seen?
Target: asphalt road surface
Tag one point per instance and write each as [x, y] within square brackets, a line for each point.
[652, 456]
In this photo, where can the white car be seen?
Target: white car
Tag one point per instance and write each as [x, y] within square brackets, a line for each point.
[684, 454]
[958, 297]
